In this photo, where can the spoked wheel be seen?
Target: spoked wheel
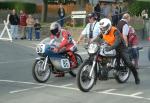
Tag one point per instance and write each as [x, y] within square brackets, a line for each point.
[123, 74]
[39, 74]
[73, 72]
[84, 81]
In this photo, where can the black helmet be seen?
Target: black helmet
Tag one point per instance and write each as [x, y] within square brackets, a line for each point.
[55, 28]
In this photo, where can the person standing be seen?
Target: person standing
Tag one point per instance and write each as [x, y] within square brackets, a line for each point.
[23, 24]
[97, 10]
[124, 27]
[133, 44]
[115, 12]
[14, 21]
[61, 14]
[92, 28]
[30, 25]
[37, 27]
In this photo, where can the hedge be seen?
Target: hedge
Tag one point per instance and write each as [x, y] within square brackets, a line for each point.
[28, 7]
[136, 7]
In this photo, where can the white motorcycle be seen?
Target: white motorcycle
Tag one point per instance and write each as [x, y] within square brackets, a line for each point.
[50, 62]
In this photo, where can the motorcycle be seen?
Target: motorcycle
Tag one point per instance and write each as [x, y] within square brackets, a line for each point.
[98, 65]
[50, 62]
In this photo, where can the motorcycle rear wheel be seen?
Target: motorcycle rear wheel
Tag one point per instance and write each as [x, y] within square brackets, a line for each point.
[73, 72]
[84, 82]
[123, 74]
[38, 73]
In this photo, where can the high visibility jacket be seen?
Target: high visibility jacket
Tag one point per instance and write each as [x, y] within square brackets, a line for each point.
[110, 37]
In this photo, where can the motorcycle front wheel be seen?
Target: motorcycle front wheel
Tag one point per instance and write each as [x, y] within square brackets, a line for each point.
[39, 74]
[84, 81]
[73, 72]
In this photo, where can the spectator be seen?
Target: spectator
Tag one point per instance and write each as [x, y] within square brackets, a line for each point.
[144, 14]
[97, 10]
[61, 14]
[115, 12]
[123, 26]
[30, 25]
[120, 12]
[14, 21]
[37, 27]
[106, 10]
[133, 44]
[23, 24]
[91, 30]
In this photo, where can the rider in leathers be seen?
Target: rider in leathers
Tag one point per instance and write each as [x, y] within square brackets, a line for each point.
[64, 41]
[114, 38]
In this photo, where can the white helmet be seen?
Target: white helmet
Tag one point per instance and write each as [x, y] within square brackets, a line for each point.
[55, 28]
[105, 25]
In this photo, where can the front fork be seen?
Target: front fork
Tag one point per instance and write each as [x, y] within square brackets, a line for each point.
[45, 62]
[93, 66]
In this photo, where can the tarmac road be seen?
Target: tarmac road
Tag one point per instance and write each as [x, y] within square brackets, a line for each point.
[18, 86]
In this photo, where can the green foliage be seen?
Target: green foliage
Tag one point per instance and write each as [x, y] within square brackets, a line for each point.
[28, 7]
[136, 7]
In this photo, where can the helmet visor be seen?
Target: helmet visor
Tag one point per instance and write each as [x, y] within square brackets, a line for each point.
[54, 31]
[104, 29]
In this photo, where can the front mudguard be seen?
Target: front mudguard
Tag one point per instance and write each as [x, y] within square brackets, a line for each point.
[90, 62]
[40, 58]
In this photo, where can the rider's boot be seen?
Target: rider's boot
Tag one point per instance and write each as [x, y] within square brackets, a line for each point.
[136, 76]
[73, 60]
[137, 79]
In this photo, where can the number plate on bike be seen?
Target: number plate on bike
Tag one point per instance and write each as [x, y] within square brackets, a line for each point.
[65, 63]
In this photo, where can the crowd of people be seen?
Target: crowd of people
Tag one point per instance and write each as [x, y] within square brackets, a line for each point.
[25, 24]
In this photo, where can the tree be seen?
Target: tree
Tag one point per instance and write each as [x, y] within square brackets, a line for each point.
[81, 4]
[44, 10]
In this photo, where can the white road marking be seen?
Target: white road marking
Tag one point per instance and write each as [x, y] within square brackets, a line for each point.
[135, 94]
[67, 85]
[16, 61]
[22, 90]
[20, 82]
[123, 95]
[107, 91]
[71, 88]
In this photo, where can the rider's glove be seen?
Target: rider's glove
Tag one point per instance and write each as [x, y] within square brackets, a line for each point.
[55, 50]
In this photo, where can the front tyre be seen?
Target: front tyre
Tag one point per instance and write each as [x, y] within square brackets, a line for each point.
[84, 81]
[38, 73]
[73, 71]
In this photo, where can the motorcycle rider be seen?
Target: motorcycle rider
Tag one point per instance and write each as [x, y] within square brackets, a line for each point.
[114, 38]
[65, 42]
[92, 28]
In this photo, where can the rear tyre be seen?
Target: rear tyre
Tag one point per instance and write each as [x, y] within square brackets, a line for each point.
[123, 74]
[73, 72]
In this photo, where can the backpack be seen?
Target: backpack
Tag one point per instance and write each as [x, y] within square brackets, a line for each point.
[132, 38]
